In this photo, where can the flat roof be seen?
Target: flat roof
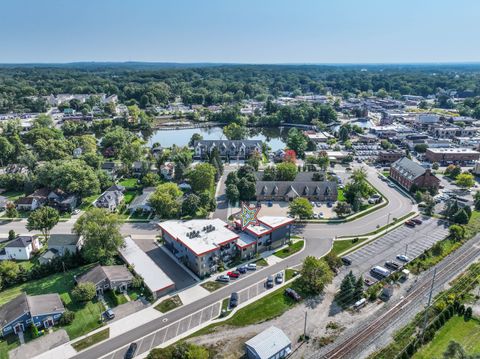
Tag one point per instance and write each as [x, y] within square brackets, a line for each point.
[453, 150]
[244, 240]
[275, 222]
[153, 276]
[209, 234]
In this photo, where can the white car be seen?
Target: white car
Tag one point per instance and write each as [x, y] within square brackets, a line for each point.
[223, 278]
[251, 266]
[403, 258]
[320, 215]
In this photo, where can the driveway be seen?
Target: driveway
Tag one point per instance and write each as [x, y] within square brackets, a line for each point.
[40, 345]
[171, 268]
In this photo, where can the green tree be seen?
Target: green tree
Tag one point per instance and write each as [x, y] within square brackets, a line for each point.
[358, 290]
[453, 171]
[270, 173]
[465, 180]
[11, 235]
[461, 217]
[166, 200]
[286, 171]
[235, 131]
[195, 137]
[84, 292]
[101, 232]
[11, 210]
[342, 209]
[255, 160]
[246, 189]
[315, 274]
[202, 177]
[421, 148]
[301, 207]
[6, 151]
[43, 220]
[232, 193]
[151, 179]
[323, 161]
[190, 204]
[456, 232]
[297, 141]
[343, 133]
[9, 271]
[477, 200]
[347, 289]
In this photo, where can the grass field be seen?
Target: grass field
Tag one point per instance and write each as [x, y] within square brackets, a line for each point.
[291, 249]
[128, 182]
[467, 333]
[169, 304]
[212, 286]
[91, 340]
[261, 262]
[341, 246]
[86, 315]
[13, 195]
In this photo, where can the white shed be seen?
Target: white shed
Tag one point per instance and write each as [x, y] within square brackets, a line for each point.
[272, 343]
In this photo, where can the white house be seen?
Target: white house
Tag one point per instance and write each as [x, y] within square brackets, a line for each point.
[21, 248]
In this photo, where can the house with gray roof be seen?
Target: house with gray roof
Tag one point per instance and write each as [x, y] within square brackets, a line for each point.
[409, 174]
[289, 190]
[111, 198]
[43, 311]
[116, 277]
[269, 344]
[228, 149]
[59, 245]
[21, 248]
[141, 203]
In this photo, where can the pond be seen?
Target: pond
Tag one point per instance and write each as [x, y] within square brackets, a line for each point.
[275, 137]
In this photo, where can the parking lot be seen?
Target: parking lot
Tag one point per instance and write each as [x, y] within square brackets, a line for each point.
[171, 331]
[403, 240]
[169, 266]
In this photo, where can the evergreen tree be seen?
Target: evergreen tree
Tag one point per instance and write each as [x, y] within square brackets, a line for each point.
[358, 290]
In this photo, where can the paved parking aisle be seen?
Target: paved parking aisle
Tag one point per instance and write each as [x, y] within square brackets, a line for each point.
[171, 331]
[412, 241]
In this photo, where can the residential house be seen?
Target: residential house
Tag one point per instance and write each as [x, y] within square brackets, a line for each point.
[21, 248]
[289, 190]
[167, 171]
[62, 201]
[228, 149]
[117, 278]
[410, 174]
[269, 344]
[43, 311]
[141, 202]
[36, 200]
[111, 198]
[111, 169]
[59, 245]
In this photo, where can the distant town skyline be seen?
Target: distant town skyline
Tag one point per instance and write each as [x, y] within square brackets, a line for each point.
[216, 31]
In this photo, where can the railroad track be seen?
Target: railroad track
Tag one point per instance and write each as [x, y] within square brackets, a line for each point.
[371, 331]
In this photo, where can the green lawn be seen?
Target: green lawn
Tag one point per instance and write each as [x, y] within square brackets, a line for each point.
[212, 286]
[13, 195]
[92, 339]
[87, 201]
[129, 196]
[169, 304]
[291, 249]
[467, 333]
[261, 262]
[128, 182]
[86, 315]
[340, 246]
[290, 273]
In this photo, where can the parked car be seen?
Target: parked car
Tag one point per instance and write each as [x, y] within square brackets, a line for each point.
[319, 204]
[251, 266]
[392, 265]
[410, 224]
[270, 203]
[346, 261]
[279, 278]
[417, 221]
[293, 294]
[131, 351]
[391, 184]
[269, 283]
[242, 269]
[321, 215]
[109, 314]
[223, 278]
[368, 282]
[233, 299]
[329, 204]
[76, 211]
[233, 274]
[403, 258]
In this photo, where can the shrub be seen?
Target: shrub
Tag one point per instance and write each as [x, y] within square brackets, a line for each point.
[84, 292]
[34, 330]
[461, 309]
[67, 317]
[468, 313]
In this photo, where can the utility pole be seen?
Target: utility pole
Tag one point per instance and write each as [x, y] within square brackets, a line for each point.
[388, 219]
[305, 328]
[429, 302]
[406, 248]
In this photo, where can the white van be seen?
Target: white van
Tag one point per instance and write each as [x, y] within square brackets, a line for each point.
[383, 272]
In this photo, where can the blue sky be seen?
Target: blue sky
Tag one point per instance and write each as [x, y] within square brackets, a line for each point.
[243, 31]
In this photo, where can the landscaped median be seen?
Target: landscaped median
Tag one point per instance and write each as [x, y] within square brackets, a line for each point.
[169, 304]
[292, 248]
[91, 340]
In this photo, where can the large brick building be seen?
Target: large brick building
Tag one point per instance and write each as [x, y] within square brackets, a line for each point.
[389, 156]
[409, 174]
[452, 155]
